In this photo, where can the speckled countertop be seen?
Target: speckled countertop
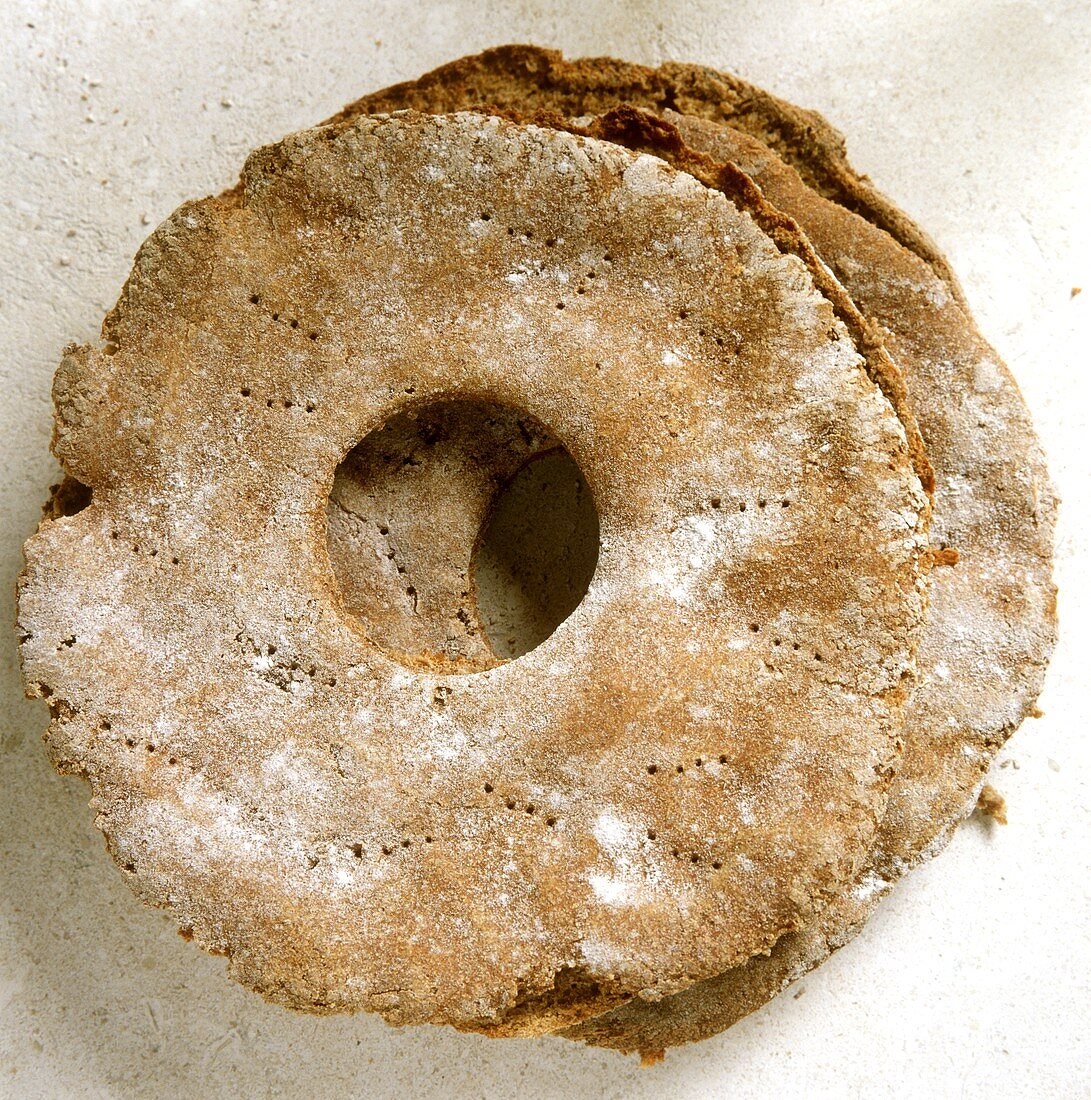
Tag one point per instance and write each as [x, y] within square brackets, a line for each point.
[973, 977]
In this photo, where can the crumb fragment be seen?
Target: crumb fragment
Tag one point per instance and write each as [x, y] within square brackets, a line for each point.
[991, 803]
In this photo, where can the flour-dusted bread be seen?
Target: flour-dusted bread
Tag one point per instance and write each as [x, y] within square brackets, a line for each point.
[697, 759]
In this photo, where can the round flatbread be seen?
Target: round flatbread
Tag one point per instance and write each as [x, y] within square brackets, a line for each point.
[693, 764]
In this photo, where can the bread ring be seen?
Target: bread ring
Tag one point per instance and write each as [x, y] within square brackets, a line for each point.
[992, 607]
[992, 621]
[689, 766]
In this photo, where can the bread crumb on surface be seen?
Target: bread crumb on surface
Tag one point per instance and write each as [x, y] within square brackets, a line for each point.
[991, 803]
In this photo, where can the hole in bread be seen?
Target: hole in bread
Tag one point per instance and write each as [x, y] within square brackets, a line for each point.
[461, 535]
[69, 498]
[537, 553]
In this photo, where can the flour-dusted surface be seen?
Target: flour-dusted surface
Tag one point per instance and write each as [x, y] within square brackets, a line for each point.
[357, 833]
[991, 621]
[978, 951]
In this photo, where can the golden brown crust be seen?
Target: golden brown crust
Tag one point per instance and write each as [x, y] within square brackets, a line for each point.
[357, 834]
[642, 131]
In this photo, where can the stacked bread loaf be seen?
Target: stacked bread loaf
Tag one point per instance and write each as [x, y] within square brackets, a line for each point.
[544, 553]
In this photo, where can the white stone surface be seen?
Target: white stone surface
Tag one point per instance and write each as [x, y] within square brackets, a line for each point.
[973, 978]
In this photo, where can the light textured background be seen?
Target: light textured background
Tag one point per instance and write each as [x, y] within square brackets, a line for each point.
[974, 115]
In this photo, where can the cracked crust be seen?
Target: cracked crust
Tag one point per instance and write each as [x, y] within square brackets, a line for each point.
[356, 833]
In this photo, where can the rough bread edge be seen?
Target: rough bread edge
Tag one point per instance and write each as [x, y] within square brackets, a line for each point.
[801, 137]
[642, 131]
[764, 977]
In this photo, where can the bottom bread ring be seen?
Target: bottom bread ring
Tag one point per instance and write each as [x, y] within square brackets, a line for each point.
[992, 617]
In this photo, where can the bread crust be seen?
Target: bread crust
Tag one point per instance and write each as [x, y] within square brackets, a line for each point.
[353, 831]
[519, 77]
